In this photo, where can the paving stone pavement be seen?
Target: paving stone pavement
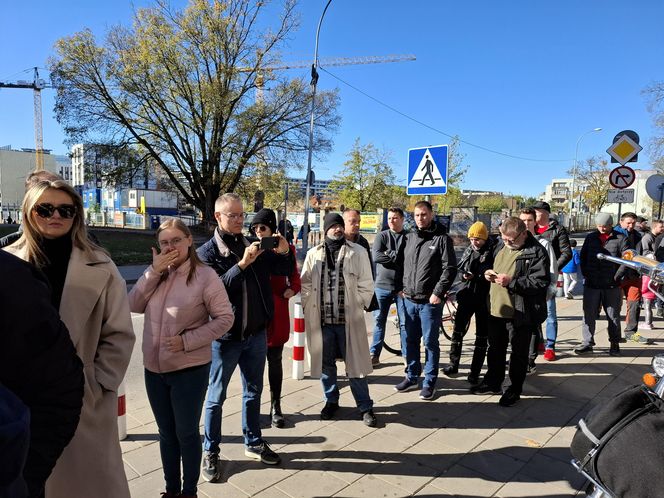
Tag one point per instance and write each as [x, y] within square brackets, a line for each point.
[459, 444]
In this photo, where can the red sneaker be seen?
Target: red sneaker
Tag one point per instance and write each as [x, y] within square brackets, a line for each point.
[550, 355]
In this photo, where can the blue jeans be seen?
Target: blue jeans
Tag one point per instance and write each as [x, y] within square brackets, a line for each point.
[551, 323]
[422, 322]
[176, 399]
[250, 355]
[334, 346]
[385, 299]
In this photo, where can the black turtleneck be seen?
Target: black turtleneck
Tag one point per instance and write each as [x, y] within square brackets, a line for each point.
[58, 252]
[333, 247]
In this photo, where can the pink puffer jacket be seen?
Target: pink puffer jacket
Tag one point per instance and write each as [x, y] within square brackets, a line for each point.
[200, 312]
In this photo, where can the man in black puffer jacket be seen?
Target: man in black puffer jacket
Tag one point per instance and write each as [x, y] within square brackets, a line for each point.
[517, 305]
[245, 270]
[429, 268]
[602, 281]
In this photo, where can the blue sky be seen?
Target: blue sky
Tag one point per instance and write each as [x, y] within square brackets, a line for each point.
[525, 78]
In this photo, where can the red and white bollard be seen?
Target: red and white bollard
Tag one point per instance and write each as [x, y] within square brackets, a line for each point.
[122, 412]
[559, 285]
[298, 340]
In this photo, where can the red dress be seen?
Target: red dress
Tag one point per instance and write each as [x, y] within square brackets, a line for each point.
[278, 331]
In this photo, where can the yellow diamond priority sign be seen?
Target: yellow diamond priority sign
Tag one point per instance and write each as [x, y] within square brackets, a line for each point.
[624, 149]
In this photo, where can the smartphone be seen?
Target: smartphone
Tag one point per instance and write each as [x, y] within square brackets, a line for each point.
[269, 242]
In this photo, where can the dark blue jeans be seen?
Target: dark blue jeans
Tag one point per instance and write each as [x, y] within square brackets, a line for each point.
[250, 356]
[334, 346]
[422, 322]
[176, 399]
[385, 299]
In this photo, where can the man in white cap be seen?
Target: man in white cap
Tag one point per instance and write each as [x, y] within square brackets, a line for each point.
[602, 282]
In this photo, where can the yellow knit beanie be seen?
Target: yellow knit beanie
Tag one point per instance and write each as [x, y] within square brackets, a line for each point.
[478, 230]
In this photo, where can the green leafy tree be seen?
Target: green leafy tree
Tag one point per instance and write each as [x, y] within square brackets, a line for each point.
[367, 179]
[198, 89]
[594, 174]
[655, 96]
[456, 173]
[491, 203]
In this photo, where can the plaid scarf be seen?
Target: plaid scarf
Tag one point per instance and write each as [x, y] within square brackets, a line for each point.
[332, 291]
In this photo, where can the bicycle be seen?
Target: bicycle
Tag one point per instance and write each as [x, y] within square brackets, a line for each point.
[446, 324]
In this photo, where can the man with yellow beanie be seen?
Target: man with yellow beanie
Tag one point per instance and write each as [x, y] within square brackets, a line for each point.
[472, 299]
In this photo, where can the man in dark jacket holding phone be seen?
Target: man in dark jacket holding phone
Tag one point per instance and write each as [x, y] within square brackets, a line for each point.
[517, 306]
[429, 269]
[245, 269]
[472, 299]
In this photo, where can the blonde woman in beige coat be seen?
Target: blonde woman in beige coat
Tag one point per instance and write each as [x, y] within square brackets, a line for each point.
[332, 328]
[92, 298]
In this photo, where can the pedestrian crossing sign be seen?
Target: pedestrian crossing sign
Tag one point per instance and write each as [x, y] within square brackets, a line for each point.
[427, 170]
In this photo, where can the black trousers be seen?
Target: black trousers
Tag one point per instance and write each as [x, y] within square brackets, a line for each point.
[275, 371]
[467, 307]
[501, 332]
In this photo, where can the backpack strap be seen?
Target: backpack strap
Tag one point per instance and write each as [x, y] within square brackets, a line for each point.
[586, 432]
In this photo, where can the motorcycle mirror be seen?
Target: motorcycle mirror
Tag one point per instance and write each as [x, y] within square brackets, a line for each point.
[658, 364]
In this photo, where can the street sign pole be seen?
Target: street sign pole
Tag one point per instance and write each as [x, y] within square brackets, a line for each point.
[619, 209]
[661, 196]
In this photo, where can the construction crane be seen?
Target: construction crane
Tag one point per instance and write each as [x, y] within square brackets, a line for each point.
[36, 85]
[329, 62]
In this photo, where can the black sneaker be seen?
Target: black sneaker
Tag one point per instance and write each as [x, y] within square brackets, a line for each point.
[369, 418]
[484, 388]
[583, 349]
[375, 360]
[509, 398]
[426, 393]
[329, 410]
[406, 385]
[532, 368]
[450, 369]
[614, 349]
[211, 467]
[473, 379]
[263, 453]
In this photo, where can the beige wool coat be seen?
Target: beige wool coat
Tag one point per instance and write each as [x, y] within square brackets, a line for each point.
[358, 290]
[95, 309]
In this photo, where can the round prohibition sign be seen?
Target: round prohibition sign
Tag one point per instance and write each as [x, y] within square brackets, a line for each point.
[622, 177]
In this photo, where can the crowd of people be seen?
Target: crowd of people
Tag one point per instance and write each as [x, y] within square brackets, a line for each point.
[224, 306]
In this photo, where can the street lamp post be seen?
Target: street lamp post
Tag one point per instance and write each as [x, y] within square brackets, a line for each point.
[574, 172]
[314, 81]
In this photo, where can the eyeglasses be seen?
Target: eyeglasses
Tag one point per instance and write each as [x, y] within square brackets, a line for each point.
[513, 240]
[234, 217]
[172, 242]
[46, 210]
[260, 228]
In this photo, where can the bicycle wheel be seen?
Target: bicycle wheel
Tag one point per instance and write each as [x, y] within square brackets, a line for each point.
[447, 323]
[392, 350]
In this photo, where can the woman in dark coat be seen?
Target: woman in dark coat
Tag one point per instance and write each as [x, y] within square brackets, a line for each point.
[278, 331]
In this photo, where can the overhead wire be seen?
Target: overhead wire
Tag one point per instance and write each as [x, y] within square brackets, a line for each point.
[432, 128]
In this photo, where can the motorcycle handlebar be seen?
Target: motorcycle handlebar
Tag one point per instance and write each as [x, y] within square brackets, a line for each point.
[642, 265]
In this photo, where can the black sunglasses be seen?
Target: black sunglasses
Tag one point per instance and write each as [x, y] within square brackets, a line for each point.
[46, 210]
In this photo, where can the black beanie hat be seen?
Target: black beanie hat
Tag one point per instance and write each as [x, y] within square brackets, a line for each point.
[265, 217]
[332, 219]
